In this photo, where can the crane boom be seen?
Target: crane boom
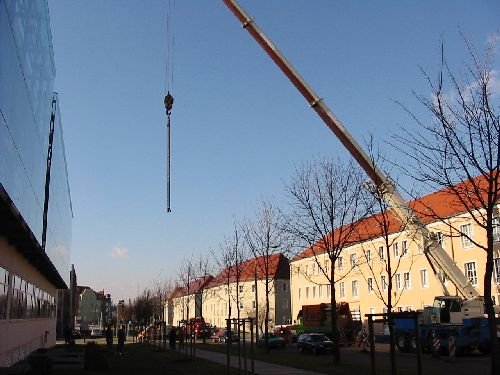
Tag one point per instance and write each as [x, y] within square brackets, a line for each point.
[379, 178]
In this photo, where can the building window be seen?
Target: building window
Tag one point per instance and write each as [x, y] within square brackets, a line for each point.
[383, 283]
[370, 284]
[341, 289]
[407, 280]
[253, 288]
[372, 310]
[395, 249]
[253, 303]
[320, 292]
[313, 269]
[354, 261]
[424, 280]
[470, 272]
[299, 293]
[340, 263]
[327, 267]
[298, 271]
[4, 289]
[314, 292]
[404, 248]
[284, 303]
[398, 281]
[328, 290]
[368, 256]
[241, 305]
[496, 268]
[466, 235]
[306, 272]
[240, 287]
[381, 253]
[496, 229]
[354, 287]
[307, 292]
[283, 287]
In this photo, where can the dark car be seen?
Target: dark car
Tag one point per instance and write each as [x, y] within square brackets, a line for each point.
[274, 340]
[314, 342]
[224, 335]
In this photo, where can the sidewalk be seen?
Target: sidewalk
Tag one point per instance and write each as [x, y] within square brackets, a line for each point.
[260, 367]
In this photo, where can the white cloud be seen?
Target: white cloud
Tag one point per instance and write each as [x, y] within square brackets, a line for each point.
[119, 252]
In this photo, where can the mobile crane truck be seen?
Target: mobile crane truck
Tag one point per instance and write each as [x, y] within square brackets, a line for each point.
[457, 316]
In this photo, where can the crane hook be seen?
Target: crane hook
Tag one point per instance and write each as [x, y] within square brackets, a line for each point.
[169, 102]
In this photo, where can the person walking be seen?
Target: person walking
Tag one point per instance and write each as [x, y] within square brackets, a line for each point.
[363, 340]
[109, 338]
[121, 340]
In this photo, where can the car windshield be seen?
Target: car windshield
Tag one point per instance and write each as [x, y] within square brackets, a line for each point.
[319, 338]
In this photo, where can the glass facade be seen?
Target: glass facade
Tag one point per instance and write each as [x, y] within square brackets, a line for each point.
[27, 75]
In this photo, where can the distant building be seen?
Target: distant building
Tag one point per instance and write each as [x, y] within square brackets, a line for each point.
[35, 216]
[67, 305]
[186, 302]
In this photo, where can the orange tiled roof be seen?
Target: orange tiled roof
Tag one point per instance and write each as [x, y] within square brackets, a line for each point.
[442, 204]
[247, 270]
[194, 287]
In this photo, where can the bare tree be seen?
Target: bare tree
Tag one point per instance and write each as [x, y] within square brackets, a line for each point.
[327, 201]
[186, 276]
[266, 237]
[459, 150]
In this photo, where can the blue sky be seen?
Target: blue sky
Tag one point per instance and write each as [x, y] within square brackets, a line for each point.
[239, 128]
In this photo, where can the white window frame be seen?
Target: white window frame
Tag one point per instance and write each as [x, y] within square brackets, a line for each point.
[341, 289]
[406, 280]
[397, 281]
[240, 288]
[404, 248]
[424, 278]
[395, 249]
[471, 273]
[328, 290]
[496, 228]
[355, 288]
[466, 230]
[381, 252]
[300, 290]
[307, 292]
[496, 270]
[353, 260]
[314, 292]
[253, 303]
[383, 283]
[320, 291]
[340, 263]
[369, 282]
[368, 256]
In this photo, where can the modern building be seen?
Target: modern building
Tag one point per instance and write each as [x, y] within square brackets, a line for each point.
[361, 275]
[35, 202]
[231, 291]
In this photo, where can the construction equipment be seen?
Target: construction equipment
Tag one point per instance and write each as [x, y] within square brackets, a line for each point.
[472, 304]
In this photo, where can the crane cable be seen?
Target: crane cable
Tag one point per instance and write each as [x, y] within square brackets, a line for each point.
[168, 101]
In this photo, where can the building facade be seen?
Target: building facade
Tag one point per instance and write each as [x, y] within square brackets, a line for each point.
[362, 279]
[35, 232]
[231, 292]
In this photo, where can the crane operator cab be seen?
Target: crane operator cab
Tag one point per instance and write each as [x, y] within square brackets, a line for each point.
[447, 309]
[453, 309]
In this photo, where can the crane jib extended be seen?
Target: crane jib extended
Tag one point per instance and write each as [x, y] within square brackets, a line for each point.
[380, 179]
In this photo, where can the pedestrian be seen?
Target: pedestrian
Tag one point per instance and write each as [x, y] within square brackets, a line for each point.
[109, 338]
[172, 336]
[363, 340]
[121, 340]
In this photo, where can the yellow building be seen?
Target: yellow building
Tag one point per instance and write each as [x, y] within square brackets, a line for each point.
[361, 276]
[213, 299]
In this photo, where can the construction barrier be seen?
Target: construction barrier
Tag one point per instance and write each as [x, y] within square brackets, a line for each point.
[451, 347]
[436, 344]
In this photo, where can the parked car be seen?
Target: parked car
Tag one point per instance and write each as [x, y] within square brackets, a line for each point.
[224, 335]
[274, 340]
[96, 333]
[315, 343]
[287, 333]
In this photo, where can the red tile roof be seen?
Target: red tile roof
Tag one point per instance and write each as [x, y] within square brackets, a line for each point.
[247, 270]
[194, 287]
[442, 204]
